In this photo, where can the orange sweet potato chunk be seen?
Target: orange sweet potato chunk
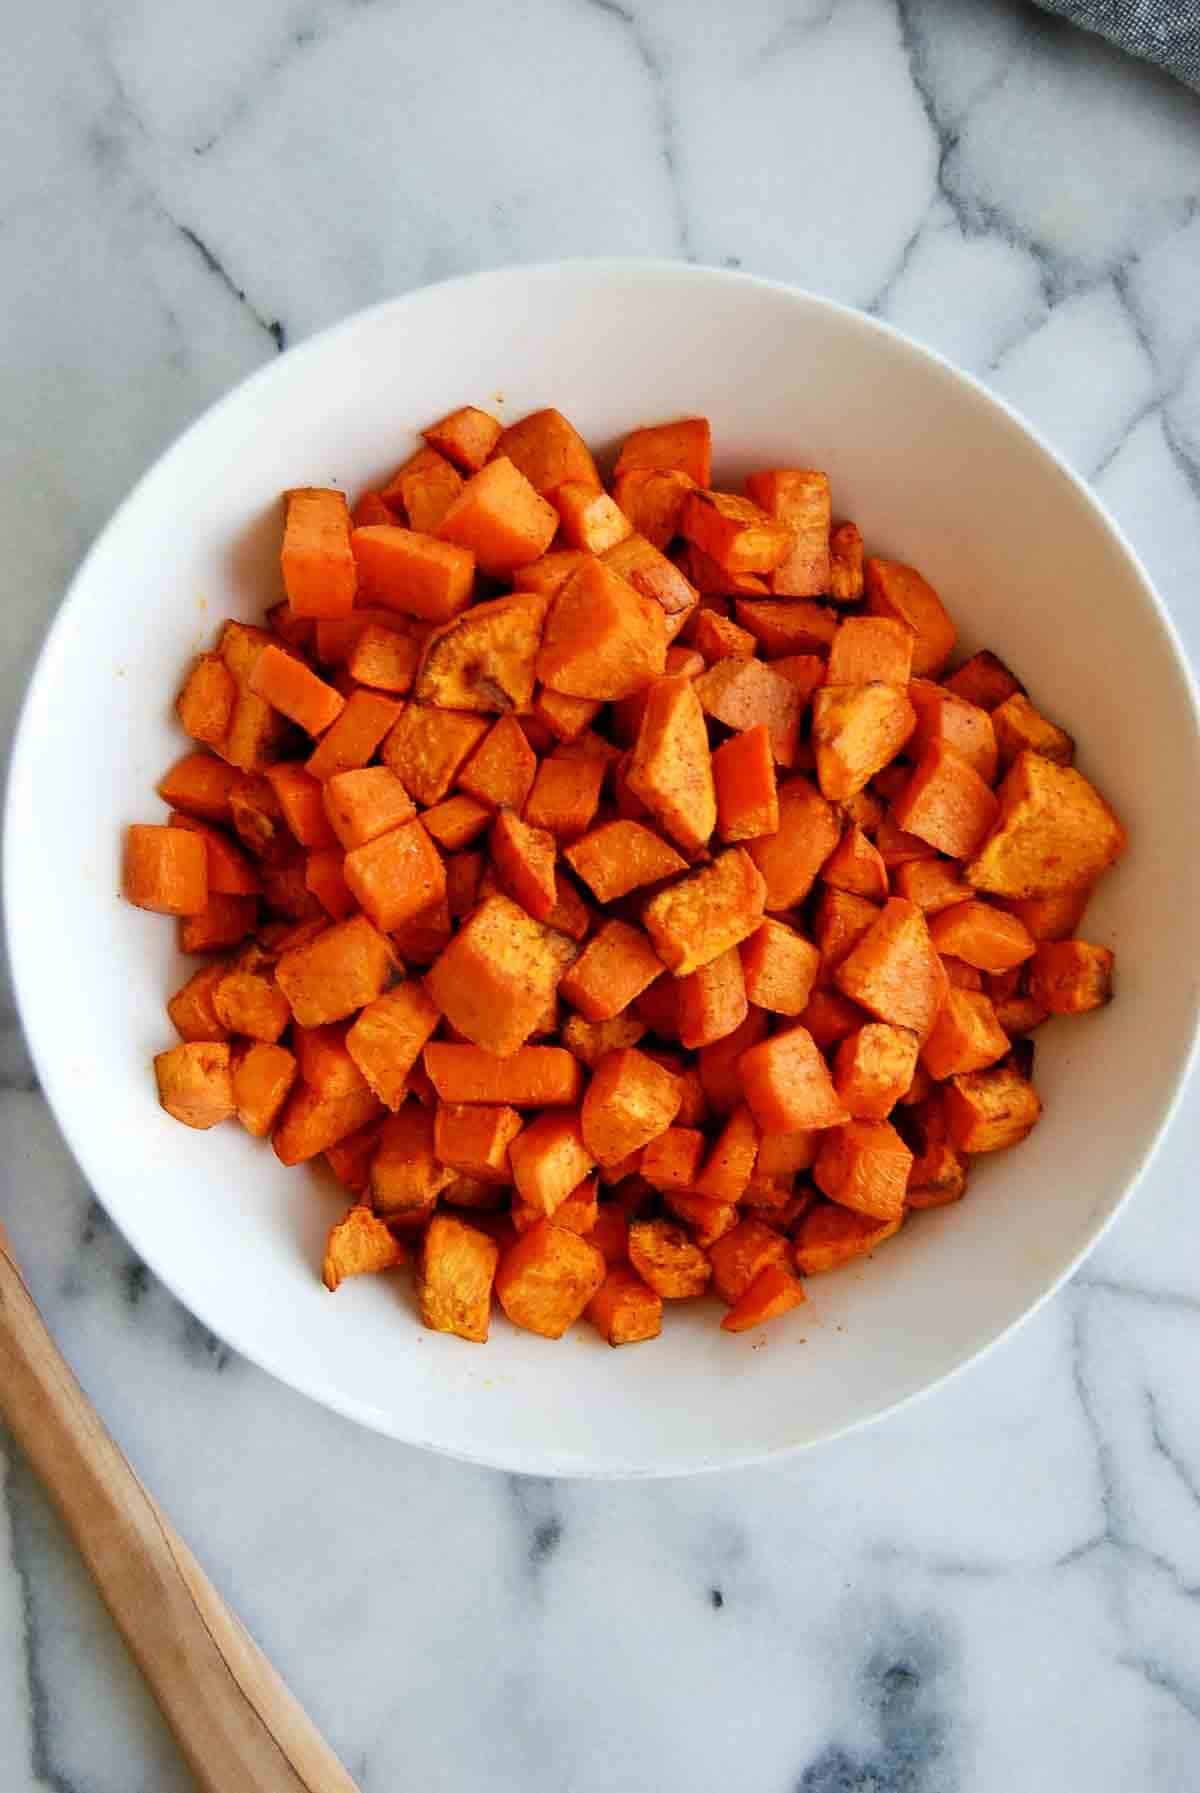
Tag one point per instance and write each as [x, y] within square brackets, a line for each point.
[356, 734]
[166, 869]
[532, 1077]
[864, 1165]
[712, 1001]
[799, 499]
[856, 865]
[1054, 833]
[428, 747]
[741, 693]
[1019, 728]
[200, 785]
[484, 659]
[565, 796]
[358, 1245]
[205, 705]
[383, 658]
[1071, 977]
[653, 498]
[773, 1292]
[683, 447]
[406, 1177]
[874, 1068]
[455, 823]
[629, 1102]
[524, 861]
[417, 574]
[668, 1260]
[365, 803]
[672, 1160]
[388, 1036]
[955, 723]
[780, 968]
[454, 1283]
[966, 1036]
[735, 532]
[325, 1064]
[988, 1111]
[932, 884]
[983, 936]
[191, 1008]
[263, 1074]
[502, 768]
[615, 966]
[743, 772]
[195, 1084]
[339, 971]
[549, 452]
[856, 731]
[895, 971]
[317, 564]
[839, 921]
[247, 1002]
[625, 1310]
[900, 592]
[474, 1138]
[656, 578]
[797, 626]
[494, 979]
[787, 1084]
[830, 1236]
[549, 1159]
[224, 921]
[790, 859]
[588, 518]
[741, 1255]
[501, 518]
[467, 437]
[547, 1278]
[423, 489]
[292, 688]
[730, 1163]
[670, 769]
[946, 803]
[871, 649]
[845, 564]
[602, 640]
[396, 876]
[312, 1123]
[695, 920]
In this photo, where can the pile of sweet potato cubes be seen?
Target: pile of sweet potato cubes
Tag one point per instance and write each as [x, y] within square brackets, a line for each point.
[611, 884]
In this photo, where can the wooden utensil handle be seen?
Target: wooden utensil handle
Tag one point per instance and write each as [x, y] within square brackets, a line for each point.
[236, 1722]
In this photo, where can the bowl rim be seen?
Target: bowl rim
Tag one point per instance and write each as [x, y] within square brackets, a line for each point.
[21, 771]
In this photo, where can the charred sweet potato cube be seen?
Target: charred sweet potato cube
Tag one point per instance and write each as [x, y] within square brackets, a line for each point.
[547, 1278]
[790, 859]
[874, 1068]
[358, 1245]
[741, 693]
[1071, 977]
[798, 498]
[165, 869]
[871, 650]
[787, 1084]
[965, 1036]
[388, 1036]
[624, 1310]
[946, 803]
[405, 1174]
[829, 1236]
[339, 971]
[602, 639]
[1019, 727]
[484, 659]
[629, 1102]
[668, 1260]
[1054, 832]
[953, 722]
[684, 447]
[455, 1276]
[982, 935]
[984, 680]
[466, 436]
[741, 1254]
[864, 1165]
[501, 518]
[900, 592]
[496, 976]
[195, 1084]
[780, 968]
[262, 1075]
[703, 915]
[895, 971]
[317, 565]
[615, 966]
[311, 1123]
[205, 705]
[987, 1111]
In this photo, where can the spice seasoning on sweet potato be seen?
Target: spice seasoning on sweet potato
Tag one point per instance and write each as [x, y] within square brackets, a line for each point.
[466, 436]
[900, 592]
[359, 1245]
[624, 1309]
[670, 769]
[547, 1278]
[344, 968]
[780, 968]
[743, 772]
[668, 1260]
[396, 875]
[984, 680]
[387, 1039]
[982, 935]
[495, 977]
[1054, 832]
[946, 803]
[987, 1111]
[873, 1069]
[952, 721]
[613, 969]
[695, 920]
[195, 1084]
[1071, 977]
[619, 857]
[457, 1269]
[741, 693]
[405, 1173]
[629, 1102]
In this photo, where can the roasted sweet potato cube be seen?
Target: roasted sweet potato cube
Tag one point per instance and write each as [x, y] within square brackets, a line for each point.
[165, 869]
[358, 1245]
[495, 977]
[624, 1310]
[363, 804]
[466, 436]
[350, 1158]
[325, 1064]
[577, 1214]
[331, 976]
[385, 659]
[716, 638]
[262, 1076]
[533, 1077]
[590, 1040]
[1071, 977]
[502, 768]
[720, 1066]
[405, 1172]
[937, 1178]
[356, 734]
[524, 860]
[565, 796]
[982, 935]
[741, 1254]
[1054, 832]
[550, 572]
[602, 639]
[840, 920]
[396, 876]
[874, 1068]
[615, 966]
[248, 1002]
[684, 447]
[946, 803]
[428, 747]
[501, 518]
[986, 1111]
[845, 564]
[730, 1163]
[549, 1159]
[205, 705]
[549, 451]
[456, 822]
[387, 1039]
[743, 772]
[774, 1291]
[668, 1260]
[200, 784]
[966, 1036]
[224, 921]
[787, 1084]
[703, 915]
[900, 592]
[871, 650]
[856, 865]
[984, 680]
[895, 971]
[230, 872]
[797, 626]
[588, 517]
[672, 1160]
[798, 498]
[417, 574]
[1054, 917]
[741, 693]
[484, 659]
[423, 490]
[829, 1236]
[653, 498]
[790, 859]
[311, 1123]
[953, 722]
[735, 532]
[630, 1101]
[546, 1279]
[780, 968]
[318, 567]
[932, 884]
[195, 1084]
[454, 1284]
[1019, 727]
[712, 1001]
[857, 730]
[864, 1165]
[292, 688]
[671, 768]
[474, 1138]
[655, 578]
[191, 1008]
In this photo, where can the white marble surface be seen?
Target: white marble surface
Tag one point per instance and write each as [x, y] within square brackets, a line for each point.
[999, 1589]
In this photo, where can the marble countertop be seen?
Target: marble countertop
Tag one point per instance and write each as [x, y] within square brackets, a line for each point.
[997, 1589]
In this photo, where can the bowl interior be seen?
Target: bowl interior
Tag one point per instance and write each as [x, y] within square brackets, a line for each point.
[935, 472]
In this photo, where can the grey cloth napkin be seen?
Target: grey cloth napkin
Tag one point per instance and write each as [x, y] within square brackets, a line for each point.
[1163, 31]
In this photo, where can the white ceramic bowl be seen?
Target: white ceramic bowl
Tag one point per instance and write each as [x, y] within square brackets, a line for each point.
[936, 472]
